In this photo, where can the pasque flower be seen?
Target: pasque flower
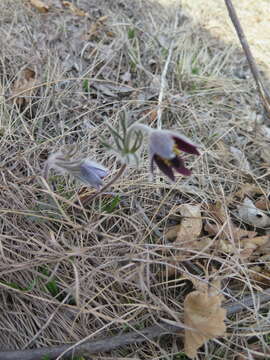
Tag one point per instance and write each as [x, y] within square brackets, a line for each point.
[87, 171]
[165, 146]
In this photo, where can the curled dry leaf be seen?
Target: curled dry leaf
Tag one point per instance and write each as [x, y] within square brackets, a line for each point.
[74, 9]
[40, 5]
[249, 213]
[204, 317]
[23, 86]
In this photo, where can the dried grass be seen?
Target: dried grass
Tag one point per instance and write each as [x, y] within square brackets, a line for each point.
[106, 266]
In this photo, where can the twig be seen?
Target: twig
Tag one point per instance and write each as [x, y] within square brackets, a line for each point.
[91, 347]
[163, 79]
[111, 343]
[264, 94]
[105, 187]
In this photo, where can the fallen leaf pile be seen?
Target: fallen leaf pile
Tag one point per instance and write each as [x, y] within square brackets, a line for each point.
[22, 89]
[204, 317]
[197, 233]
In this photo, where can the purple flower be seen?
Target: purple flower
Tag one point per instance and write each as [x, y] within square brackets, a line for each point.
[87, 171]
[91, 173]
[164, 149]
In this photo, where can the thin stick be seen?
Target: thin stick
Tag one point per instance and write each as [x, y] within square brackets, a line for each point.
[133, 337]
[105, 187]
[264, 94]
[163, 79]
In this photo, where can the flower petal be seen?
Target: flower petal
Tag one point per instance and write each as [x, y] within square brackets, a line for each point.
[184, 144]
[91, 173]
[166, 169]
[161, 143]
[179, 165]
[100, 170]
[89, 177]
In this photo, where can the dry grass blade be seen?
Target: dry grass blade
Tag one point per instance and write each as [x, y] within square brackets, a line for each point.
[107, 344]
[76, 266]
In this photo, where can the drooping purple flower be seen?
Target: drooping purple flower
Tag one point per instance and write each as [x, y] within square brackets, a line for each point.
[92, 173]
[87, 171]
[164, 149]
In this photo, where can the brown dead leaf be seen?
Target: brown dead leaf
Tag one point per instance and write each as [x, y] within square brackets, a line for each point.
[224, 227]
[260, 275]
[40, 5]
[74, 9]
[96, 28]
[253, 244]
[23, 86]
[263, 204]
[191, 224]
[248, 190]
[205, 316]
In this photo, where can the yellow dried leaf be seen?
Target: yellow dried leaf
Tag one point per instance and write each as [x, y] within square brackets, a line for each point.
[23, 86]
[74, 9]
[191, 224]
[204, 317]
[40, 5]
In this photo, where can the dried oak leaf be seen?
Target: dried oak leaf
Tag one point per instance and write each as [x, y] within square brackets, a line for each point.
[204, 317]
[191, 224]
[23, 86]
[40, 5]
[74, 9]
[190, 227]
